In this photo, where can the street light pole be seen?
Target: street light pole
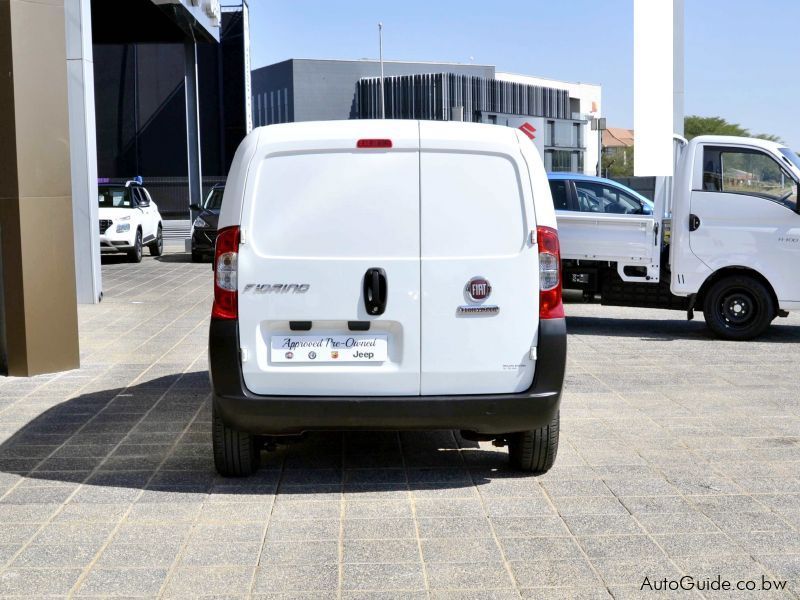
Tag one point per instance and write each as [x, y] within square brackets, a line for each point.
[380, 51]
[599, 152]
[599, 125]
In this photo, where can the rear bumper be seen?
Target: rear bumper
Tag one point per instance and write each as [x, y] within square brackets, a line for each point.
[487, 413]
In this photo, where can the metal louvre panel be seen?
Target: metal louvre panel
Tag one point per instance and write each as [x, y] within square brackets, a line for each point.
[432, 96]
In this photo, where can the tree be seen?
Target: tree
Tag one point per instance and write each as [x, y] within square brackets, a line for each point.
[695, 125]
[618, 162]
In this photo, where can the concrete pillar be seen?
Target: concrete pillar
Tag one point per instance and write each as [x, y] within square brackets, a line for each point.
[193, 125]
[83, 150]
[38, 267]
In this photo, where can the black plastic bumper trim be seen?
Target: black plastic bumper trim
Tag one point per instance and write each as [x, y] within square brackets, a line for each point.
[483, 413]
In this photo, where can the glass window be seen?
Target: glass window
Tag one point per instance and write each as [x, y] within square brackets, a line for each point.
[114, 198]
[748, 172]
[565, 135]
[604, 198]
[560, 160]
[214, 200]
[559, 191]
[549, 133]
[578, 134]
[791, 156]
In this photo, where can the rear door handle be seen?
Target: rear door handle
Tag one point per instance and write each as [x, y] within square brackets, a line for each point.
[694, 222]
[375, 291]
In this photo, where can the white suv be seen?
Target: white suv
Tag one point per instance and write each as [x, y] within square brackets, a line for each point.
[381, 274]
[129, 220]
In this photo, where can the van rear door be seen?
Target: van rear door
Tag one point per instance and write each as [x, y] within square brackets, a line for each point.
[319, 215]
[480, 274]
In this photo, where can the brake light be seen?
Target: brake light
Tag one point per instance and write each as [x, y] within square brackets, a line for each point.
[374, 143]
[226, 252]
[550, 303]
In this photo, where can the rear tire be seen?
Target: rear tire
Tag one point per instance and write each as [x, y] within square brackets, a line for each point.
[197, 257]
[534, 451]
[156, 247]
[738, 308]
[135, 255]
[236, 454]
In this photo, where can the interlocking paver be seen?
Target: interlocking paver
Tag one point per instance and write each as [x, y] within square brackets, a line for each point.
[679, 455]
[125, 582]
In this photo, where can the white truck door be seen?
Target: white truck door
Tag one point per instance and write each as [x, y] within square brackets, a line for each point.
[319, 213]
[743, 213]
[480, 274]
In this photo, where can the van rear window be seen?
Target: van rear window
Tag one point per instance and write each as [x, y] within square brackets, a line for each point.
[337, 204]
[472, 205]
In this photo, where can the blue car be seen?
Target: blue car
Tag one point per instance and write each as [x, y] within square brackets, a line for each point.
[585, 193]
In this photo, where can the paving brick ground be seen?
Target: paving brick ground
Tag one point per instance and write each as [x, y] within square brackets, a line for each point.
[680, 455]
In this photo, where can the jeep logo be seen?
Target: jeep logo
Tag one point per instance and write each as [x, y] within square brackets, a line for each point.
[276, 288]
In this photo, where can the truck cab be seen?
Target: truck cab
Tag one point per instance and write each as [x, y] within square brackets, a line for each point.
[734, 242]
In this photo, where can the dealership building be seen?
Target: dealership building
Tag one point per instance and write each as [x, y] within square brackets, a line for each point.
[559, 112]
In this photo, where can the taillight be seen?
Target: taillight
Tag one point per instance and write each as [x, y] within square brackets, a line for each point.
[226, 252]
[550, 304]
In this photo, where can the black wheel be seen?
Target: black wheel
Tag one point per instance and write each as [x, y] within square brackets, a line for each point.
[536, 450]
[738, 308]
[236, 454]
[197, 257]
[135, 255]
[156, 247]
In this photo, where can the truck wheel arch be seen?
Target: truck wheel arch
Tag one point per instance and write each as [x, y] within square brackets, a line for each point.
[734, 270]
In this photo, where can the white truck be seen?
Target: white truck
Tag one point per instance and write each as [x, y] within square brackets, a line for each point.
[382, 274]
[725, 241]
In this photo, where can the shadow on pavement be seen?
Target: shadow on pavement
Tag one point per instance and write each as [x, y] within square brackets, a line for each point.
[156, 435]
[178, 257]
[113, 259]
[668, 330]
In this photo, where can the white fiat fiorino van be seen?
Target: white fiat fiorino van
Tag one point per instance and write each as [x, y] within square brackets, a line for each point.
[382, 274]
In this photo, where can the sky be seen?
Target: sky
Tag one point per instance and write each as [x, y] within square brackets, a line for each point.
[741, 55]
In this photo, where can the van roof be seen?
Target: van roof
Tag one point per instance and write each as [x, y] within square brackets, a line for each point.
[308, 130]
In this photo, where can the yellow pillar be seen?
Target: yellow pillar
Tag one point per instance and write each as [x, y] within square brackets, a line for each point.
[36, 236]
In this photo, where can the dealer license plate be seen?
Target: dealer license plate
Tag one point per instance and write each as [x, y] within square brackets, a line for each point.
[328, 348]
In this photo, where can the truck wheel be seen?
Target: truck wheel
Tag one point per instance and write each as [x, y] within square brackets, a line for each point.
[536, 450]
[156, 247]
[236, 454]
[135, 255]
[197, 257]
[738, 308]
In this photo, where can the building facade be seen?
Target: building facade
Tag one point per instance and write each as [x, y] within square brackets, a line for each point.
[557, 112]
[140, 99]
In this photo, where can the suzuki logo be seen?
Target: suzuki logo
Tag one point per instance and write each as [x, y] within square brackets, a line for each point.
[478, 289]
